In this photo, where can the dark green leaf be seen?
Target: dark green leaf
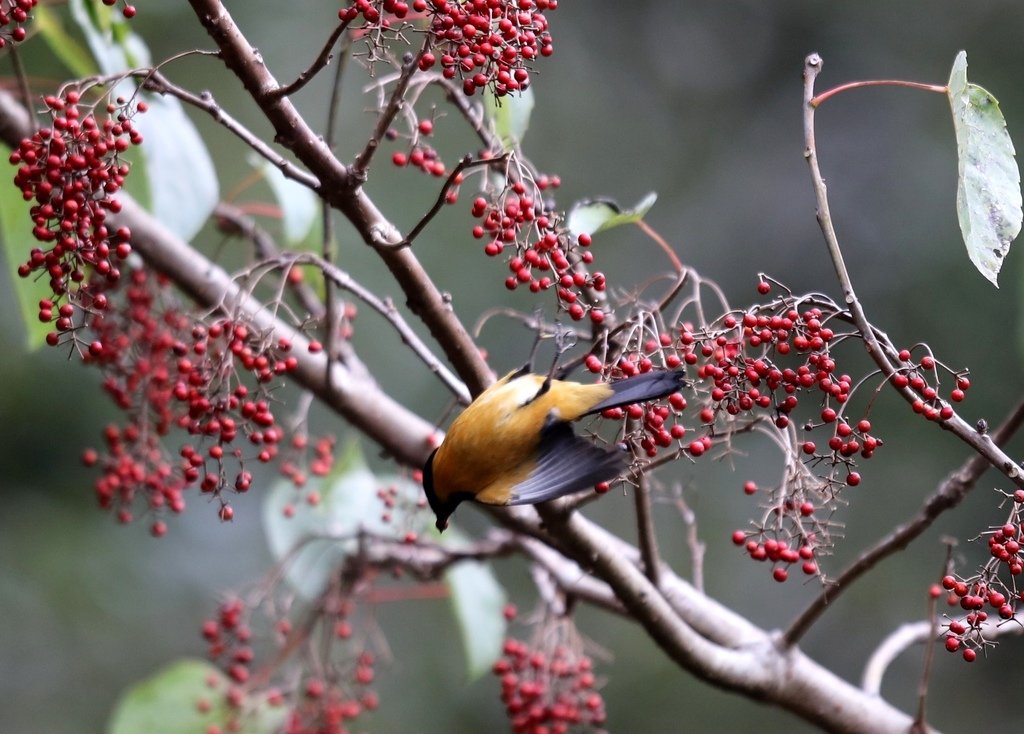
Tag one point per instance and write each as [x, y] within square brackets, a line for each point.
[64, 47]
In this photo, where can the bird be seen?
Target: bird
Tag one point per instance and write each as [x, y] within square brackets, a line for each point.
[514, 445]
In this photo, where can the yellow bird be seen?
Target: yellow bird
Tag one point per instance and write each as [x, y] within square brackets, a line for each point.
[513, 445]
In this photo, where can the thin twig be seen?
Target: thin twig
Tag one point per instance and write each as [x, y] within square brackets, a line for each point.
[647, 538]
[880, 353]
[920, 721]
[23, 85]
[362, 161]
[331, 316]
[154, 81]
[387, 309]
[322, 60]
[940, 88]
[466, 163]
[663, 244]
[693, 541]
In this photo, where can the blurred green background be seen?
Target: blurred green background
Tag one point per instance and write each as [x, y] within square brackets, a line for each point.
[701, 103]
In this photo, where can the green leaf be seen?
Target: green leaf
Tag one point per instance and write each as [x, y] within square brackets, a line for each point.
[510, 116]
[180, 173]
[61, 43]
[167, 703]
[96, 23]
[17, 239]
[299, 205]
[988, 197]
[316, 539]
[181, 179]
[478, 601]
[591, 216]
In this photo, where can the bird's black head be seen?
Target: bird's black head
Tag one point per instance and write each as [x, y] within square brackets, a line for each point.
[443, 509]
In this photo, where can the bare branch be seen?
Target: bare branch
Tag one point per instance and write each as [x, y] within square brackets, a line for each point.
[322, 60]
[876, 350]
[410, 65]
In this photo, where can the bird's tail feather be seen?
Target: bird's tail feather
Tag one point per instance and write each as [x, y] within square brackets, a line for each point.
[648, 386]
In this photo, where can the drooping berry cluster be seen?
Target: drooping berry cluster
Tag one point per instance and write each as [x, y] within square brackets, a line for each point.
[540, 253]
[13, 16]
[764, 361]
[992, 589]
[229, 640]
[485, 43]
[490, 43]
[329, 695]
[420, 153]
[548, 687]
[166, 372]
[71, 172]
[330, 705]
[923, 378]
[548, 691]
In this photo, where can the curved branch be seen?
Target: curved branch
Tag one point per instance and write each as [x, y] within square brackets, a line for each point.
[342, 191]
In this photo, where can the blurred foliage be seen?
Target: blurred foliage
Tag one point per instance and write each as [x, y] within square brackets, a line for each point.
[699, 102]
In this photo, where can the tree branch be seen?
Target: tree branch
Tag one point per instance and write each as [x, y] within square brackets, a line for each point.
[342, 191]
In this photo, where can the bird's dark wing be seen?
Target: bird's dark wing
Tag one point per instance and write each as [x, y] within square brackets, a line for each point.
[648, 386]
[566, 463]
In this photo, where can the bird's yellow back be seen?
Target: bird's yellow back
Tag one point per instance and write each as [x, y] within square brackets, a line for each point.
[492, 445]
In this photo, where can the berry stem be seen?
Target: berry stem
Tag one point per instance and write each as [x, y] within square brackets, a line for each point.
[395, 103]
[818, 99]
[665, 246]
[647, 538]
[23, 87]
[466, 163]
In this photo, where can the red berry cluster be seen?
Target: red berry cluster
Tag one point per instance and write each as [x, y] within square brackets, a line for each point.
[485, 43]
[988, 590]
[229, 638]
[13, 16]
[166, 372]
[923, 378]
[325, 703]
[71, 172]
[420, 154]
[489, 43]
[777, 550]
[769, 358]
[330, 706]
[548, 691]
[539, 252]
[973, 596]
